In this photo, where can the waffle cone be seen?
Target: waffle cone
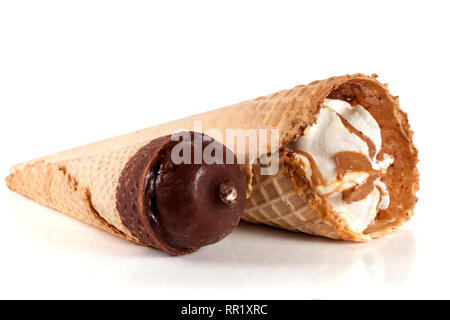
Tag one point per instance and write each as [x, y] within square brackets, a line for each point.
[275, 202]
[290, 111]
[83, 188]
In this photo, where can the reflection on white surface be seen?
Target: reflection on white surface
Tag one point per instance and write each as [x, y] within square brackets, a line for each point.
[259, 256]
[66, 252]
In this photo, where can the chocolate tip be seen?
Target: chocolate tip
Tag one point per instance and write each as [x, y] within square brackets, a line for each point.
[228, 192]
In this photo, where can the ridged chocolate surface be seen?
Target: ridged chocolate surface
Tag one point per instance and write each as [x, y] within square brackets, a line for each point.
[131, 190]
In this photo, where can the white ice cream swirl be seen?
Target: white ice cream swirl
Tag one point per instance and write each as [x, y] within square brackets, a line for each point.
[343, 129]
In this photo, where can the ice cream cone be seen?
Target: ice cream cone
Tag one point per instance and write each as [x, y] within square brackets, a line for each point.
[108, 190]
[68, 186]
[291, 111]
[274, 202]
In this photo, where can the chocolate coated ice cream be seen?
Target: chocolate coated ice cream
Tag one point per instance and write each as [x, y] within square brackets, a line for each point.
[180, 207]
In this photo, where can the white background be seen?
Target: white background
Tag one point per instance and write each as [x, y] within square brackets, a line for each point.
[73, 72]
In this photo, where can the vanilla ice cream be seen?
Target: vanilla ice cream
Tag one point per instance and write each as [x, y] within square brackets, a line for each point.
[338, 156]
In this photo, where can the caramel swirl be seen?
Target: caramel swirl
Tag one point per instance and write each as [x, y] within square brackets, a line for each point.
[360, 192]
[352, 129]
[350, 161]
[316, 176]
